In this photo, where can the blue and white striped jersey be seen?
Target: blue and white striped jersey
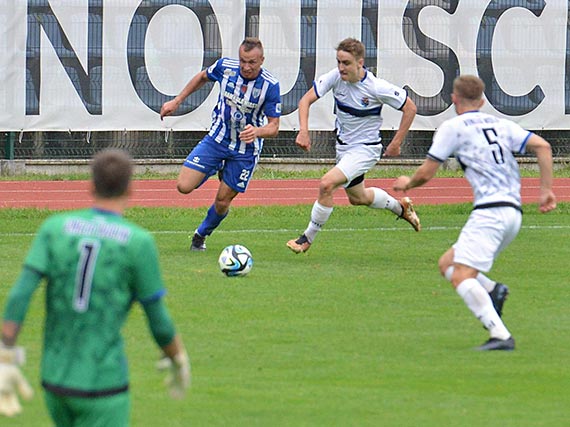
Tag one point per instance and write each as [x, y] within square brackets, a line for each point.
[358, 106]
[484, 146]
[241, 102]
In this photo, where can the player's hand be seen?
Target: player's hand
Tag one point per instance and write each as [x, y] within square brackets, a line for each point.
[401, 183]
[168, 108]
[303, 141]
[547, 201]
[12, 381]
[392, 150]
[248, 134]
[179, 376]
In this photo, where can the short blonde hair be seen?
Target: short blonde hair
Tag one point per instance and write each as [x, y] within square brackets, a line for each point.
[469, 87]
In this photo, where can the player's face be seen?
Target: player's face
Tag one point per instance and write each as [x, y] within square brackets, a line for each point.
[349, 67]
[250, 63]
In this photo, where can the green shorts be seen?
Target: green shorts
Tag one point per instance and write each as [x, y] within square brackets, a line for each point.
[108, 411]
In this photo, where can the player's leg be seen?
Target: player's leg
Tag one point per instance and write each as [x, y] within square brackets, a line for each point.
[373, 197]
[479, 302]
[486, 233]
[355, 164]
[201, 163]
[217, 211]
[321, 211]
[237, 172]
[189, 180]
[497, 291]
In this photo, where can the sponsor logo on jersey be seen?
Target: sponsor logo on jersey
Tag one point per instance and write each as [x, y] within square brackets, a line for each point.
[241, 185]
[238, 102]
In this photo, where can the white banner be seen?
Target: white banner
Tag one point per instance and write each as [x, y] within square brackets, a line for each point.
[110, 64]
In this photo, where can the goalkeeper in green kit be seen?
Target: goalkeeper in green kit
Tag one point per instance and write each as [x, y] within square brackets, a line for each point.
[96, 264]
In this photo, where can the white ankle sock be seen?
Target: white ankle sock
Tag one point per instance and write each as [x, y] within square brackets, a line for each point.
[383, 200]
[480, 304]
[319, 216]
[487, 283]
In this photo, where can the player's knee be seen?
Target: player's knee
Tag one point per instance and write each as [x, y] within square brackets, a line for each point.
[326, 187]
[183, 188]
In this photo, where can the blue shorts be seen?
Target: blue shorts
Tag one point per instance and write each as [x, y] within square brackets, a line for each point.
[209, 157]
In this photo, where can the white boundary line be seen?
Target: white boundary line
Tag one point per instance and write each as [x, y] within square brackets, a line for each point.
[329, 230]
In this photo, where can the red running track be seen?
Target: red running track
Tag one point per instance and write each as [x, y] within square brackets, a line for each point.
[75, 194]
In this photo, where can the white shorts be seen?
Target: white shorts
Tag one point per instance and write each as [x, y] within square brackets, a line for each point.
[486, 233]
[357, 159]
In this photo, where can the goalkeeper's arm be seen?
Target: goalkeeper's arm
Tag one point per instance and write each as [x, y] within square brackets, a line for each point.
[11, 357]
[163, 331]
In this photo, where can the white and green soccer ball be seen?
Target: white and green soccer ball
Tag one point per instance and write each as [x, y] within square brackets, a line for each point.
[235, 260]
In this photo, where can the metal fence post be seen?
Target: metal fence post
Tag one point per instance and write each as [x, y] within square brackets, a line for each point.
[9, 146]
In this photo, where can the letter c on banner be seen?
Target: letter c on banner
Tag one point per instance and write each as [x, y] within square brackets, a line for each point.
[498, 98]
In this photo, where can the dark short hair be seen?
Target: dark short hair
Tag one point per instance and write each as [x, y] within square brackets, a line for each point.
[469, 87]
[111, 171]
[250, 43]
[353, 46]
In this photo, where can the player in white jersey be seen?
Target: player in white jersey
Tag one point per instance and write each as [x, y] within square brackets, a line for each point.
[248, 110]
[484, 146]
[359, 97]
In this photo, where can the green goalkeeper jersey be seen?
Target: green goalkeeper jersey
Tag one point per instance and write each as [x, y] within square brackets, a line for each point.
[96, 264]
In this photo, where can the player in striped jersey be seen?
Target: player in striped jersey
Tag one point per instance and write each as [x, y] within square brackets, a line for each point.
[247, 111]
[484, 146]
[359, 97]
[96, 265]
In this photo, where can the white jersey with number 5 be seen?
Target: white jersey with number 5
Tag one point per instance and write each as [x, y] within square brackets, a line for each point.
[358, 106]
[484, 147]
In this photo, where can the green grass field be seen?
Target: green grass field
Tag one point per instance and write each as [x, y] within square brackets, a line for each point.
[360, 331]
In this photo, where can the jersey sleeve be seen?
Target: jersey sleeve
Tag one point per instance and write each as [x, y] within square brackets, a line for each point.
[148, 284]
[38, 255]
[326, 82]
[390, 94]
[215, 72]
[21, 294]
[442, 146]
[272, 106]
[519, 137]
[159, 322]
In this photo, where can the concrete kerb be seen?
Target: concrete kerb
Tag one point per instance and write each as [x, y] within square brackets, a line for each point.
[170, 166]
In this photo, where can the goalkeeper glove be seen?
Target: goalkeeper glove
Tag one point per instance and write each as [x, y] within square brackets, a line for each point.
[179, 376]
[12, 380]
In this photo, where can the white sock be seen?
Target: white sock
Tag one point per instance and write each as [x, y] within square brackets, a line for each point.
[480, 304]
[319, 216]
[383, 200]
[487, 283]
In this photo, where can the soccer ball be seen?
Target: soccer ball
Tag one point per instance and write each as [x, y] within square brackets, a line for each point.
[235, 260]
